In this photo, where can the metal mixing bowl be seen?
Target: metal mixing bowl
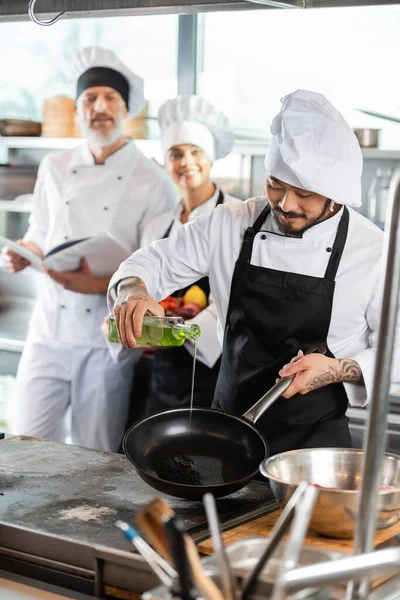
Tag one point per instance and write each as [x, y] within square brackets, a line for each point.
[340, 470]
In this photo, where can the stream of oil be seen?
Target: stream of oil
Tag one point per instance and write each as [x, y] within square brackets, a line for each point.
[192, 390]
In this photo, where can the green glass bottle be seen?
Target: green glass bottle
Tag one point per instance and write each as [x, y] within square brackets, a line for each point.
[160, 331]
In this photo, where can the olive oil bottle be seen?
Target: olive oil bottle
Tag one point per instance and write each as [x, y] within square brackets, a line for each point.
[160, 331]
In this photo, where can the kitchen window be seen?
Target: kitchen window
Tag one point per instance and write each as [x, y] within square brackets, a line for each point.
[251, 59]
[37, 67]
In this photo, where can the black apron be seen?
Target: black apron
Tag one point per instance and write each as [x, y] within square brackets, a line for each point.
[271, 315]
[171, 381]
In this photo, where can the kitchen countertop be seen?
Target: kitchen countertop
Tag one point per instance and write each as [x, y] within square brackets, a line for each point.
[59, 504]
[78, 493]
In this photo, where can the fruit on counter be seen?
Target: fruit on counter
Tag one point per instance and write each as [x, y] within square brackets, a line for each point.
[195, 295]
[190, 310]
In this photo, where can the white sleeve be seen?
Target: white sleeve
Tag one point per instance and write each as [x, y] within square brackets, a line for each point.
[208, 347]
[360, 395]
[39, 217]
[171, 264]
[164, 199]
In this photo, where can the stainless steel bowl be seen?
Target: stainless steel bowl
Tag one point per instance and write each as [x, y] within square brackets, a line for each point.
[338, 472]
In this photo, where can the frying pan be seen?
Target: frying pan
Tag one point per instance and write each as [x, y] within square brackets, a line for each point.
[213, 452]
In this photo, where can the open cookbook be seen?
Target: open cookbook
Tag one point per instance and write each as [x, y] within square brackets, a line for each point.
[104, 254]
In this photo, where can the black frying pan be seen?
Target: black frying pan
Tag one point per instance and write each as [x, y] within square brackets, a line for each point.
[217, 452]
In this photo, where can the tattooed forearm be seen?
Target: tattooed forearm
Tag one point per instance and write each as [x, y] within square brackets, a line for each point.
[350, 371]
[344, 370]
[130, 282]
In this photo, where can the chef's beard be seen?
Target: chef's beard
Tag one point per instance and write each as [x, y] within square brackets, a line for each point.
[298, 233]
[98, 139]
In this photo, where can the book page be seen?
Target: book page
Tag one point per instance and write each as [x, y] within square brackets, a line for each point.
[104, 254]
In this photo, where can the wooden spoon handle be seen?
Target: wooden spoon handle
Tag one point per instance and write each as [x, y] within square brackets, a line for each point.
[205, 585]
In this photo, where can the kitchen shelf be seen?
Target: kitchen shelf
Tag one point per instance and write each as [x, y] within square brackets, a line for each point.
[38, 142]
[252, 147]
[16, 206]
[15, 314]
[11, 345]
[148, 147]
[379, 154]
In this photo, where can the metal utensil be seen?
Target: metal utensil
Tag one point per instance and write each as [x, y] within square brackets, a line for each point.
[229, 587]
[369, 565]
[298, 531]
[277, 533]
[376, 432]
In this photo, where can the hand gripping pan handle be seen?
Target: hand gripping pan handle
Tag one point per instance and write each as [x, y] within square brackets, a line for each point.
[259, 408]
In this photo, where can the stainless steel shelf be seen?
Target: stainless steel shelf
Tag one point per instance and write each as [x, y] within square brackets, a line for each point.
[15, 314]
[379, 154]
[38, 142]
[11, 345]
[148, 147]
[243, 145]
[16, 206]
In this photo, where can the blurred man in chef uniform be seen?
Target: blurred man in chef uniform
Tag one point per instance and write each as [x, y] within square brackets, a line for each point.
[103, 185]
[295, 267]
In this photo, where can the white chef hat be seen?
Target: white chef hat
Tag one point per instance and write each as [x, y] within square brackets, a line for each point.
[313, 148]
[193, 120]
[94, 66]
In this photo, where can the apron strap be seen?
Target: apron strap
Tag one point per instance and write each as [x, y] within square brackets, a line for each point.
[219, 201]
[248, 238]
[166, 234]
[338, 246]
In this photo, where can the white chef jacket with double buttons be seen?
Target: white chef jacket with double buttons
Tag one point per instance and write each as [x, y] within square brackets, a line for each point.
[74, 198]
[209, 347]
[210, 246]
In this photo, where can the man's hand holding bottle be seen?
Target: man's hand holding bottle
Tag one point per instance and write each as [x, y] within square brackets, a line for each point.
[132, 304]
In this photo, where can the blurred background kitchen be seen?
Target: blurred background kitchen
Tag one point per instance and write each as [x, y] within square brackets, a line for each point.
[243, 61]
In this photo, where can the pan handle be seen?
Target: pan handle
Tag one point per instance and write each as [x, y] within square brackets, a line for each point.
[259, 408]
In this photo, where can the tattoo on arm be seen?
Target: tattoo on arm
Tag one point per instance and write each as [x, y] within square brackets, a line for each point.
[350, 371]
[347, 371]
[129, 282]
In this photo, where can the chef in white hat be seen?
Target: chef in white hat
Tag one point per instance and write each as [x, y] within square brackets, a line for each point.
[103, 185]
[295, 267]
[194, 134]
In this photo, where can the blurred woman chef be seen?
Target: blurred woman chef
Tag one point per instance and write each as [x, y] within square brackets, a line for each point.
[193, 135]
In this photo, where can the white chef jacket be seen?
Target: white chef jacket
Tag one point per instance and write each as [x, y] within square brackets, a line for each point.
[209, 347]
[210, 246]
[75, 198]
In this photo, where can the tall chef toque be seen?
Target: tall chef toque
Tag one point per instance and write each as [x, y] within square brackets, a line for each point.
[313, 148]
[193, 120]
[94, 66]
